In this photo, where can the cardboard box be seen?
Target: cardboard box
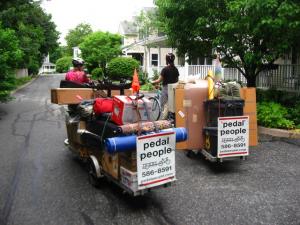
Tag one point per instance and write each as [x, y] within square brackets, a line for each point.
[249, 95]
[180, 114]
[253, 138]
[67, 96]
[127, 92]
[171, 97]
[129, 179]
[128, 160]
[110, 164]
[194, 97]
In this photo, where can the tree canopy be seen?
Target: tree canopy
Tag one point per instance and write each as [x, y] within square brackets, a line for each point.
[76, 36]
[122, 68]
[10, 55]
[99, 48]
[34, 29]
[148, 23]
[249, 34]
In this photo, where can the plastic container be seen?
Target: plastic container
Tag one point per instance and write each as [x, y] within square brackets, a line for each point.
[124, 112]
[128, 143]
[211, 140]
[220, 107]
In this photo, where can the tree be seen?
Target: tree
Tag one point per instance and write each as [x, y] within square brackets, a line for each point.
[122, 68]
[10, 55]
[147, 23]
[63, 64]
[99, 48]
[76, 36]
[36, 32]
[249, 34]
[59, 52]
[4, 4]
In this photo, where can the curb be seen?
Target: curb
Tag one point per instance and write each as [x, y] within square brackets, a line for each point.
[278, 132]
[24, 85]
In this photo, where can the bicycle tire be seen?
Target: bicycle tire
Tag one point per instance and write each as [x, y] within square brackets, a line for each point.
[155, 109]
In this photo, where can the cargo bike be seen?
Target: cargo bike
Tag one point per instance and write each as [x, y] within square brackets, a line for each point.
[124, 144]
[218, 128]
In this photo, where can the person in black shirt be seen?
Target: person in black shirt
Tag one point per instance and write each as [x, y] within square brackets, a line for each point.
[168, 75]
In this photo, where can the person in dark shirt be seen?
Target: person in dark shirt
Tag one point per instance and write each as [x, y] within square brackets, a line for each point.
[168, 75]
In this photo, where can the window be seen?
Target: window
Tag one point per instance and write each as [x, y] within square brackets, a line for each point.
[154, 59]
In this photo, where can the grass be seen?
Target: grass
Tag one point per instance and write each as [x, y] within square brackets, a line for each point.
[21, 81]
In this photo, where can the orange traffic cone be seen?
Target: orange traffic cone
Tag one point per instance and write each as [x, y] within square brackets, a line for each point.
[135, 82]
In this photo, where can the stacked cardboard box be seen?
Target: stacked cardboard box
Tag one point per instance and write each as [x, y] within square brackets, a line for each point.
[171, 97]
[128, 160]
[249, 95]
[66, 96]
[110, 164]
[129, 179]
[180, 114]
[127, 92]
[190, 112]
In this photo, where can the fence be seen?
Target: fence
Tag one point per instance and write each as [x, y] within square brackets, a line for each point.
[285, 77]
[151, 70]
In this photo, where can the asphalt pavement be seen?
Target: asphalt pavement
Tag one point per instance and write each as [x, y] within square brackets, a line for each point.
[42, 183]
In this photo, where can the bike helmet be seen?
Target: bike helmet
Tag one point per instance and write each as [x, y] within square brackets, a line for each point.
[77, 62]
[170, 57]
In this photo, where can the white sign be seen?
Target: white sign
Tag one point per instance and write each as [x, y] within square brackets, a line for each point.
[155, 159]
[233, 136]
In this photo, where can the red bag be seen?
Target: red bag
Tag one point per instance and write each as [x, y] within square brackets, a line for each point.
[103, 105]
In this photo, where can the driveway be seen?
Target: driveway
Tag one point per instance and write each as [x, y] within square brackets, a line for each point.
[42, 183]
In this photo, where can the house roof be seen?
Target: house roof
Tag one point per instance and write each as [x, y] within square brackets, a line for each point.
[154, 41]
[128, 28]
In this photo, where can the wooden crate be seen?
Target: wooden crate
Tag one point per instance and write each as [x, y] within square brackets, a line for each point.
[67, 96]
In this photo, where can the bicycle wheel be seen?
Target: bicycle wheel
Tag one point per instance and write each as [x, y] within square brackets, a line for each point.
[155, 109]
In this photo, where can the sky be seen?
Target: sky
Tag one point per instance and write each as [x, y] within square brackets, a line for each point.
[104, 15]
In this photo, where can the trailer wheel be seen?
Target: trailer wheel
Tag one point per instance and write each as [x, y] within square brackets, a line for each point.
[94, 171]
[190, 153]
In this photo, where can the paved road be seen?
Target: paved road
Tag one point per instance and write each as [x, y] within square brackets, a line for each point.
[41, 183]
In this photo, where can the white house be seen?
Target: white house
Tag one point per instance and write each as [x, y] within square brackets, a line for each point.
[76, 52]
[47, 67]
[151, 50]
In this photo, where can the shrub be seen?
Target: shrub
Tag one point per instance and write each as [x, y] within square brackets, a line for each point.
[147, 87]
[155, 74]
[273, 115]
[63, 64]
[294, 114]
[272, 95]
[121, 68]
[97, 74]
[143, 77]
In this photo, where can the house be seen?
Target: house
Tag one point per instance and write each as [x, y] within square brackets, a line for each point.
[47, 67]
[76, 52]
[149, 49]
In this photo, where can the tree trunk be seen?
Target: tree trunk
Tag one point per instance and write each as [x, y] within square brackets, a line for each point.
[251, 81]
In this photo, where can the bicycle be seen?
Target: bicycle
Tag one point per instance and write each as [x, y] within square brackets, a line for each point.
[155, 106]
